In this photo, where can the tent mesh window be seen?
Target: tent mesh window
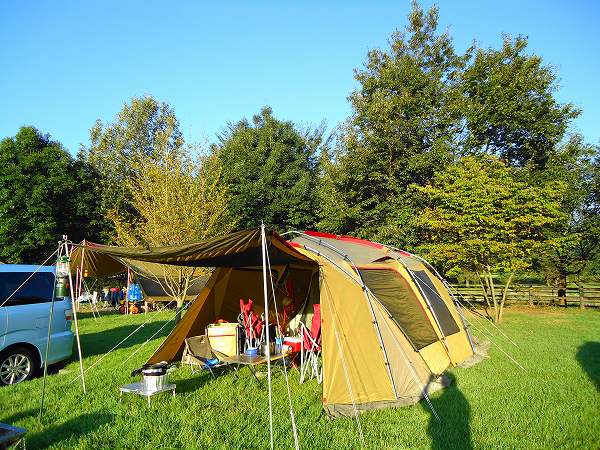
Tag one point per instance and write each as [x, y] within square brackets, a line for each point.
[394, 293]
[445, 319]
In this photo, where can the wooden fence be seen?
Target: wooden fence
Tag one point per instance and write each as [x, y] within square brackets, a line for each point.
[582, 295]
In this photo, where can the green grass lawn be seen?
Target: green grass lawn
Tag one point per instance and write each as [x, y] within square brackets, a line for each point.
[492, 405]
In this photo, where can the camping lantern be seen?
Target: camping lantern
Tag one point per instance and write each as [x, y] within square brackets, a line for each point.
[62, 267]
[61, 289]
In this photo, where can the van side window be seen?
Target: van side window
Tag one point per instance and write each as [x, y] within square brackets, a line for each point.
[37, 290]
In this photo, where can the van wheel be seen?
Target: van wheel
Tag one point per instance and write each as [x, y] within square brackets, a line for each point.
[16, 365]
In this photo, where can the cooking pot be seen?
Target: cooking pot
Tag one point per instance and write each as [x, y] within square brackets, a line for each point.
[154, 376]
[154, 369]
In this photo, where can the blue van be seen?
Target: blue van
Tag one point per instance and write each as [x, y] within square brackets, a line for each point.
[24, 322]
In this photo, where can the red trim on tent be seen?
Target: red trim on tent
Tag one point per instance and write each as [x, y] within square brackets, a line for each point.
[323, 235]
[352, 239]
[361, 241]
[344, 238]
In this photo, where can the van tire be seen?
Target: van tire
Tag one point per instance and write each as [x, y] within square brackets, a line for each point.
[19, 357]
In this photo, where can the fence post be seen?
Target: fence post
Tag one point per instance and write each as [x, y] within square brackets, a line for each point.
[581, 296]
[529, 298]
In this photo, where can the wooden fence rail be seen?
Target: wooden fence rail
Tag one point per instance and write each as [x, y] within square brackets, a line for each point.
[582, 295]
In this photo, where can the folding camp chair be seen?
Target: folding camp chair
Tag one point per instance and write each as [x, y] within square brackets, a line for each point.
[310, 363]
[198, 353]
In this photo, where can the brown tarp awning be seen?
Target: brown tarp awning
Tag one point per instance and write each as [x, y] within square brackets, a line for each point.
[95, 264]
[238, 249]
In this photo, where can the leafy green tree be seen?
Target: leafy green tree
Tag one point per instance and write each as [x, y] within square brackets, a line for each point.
[481, 218]
[116, 147]
[421, 106]
[509, 106]
[44, 193]
[575, 242]
[269, 168]
[402, 128]
[177, 199]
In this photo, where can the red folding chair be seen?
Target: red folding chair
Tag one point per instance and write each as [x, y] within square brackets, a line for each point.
[310, 361]
[252, 324]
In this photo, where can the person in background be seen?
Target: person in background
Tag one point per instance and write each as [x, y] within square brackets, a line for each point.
[114, 296]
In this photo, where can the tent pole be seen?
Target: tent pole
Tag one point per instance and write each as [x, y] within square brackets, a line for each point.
[48, 338]
[77, 333]
[285, 372]
[82, 269]
[127, 291]
[77, 292]
[266, 293]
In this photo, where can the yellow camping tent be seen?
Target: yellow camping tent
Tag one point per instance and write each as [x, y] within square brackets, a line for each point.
[389, 325]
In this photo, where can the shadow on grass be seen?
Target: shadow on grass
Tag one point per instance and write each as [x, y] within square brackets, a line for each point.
[78, 426]
[239, 379]
[195, 382]
[588, 356]
[103, 313]
[101, 342]
[453, 430]
[11, 420]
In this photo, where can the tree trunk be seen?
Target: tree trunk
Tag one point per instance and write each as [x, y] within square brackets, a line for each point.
[178, 311]
[562, 288]
[493, 294]
[581, 296]
[485, 296]
[504, 293]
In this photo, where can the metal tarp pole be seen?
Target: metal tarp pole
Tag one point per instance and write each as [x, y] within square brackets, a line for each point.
[77, 333]
[266, 293]
[48, 339]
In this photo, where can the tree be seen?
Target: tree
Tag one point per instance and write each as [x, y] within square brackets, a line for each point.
[269, 168]
[509, 106]
[402, 128]
[421, 106]
[480, 217]
[175, 199]
[574, 243]
[44, 193]
[117, 147]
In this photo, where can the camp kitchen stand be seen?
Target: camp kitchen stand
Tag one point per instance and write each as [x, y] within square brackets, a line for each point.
[140, 389]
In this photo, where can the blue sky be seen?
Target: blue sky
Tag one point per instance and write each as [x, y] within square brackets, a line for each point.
[66, 64]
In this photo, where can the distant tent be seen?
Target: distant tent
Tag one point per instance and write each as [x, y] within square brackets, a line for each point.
[389, 325]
